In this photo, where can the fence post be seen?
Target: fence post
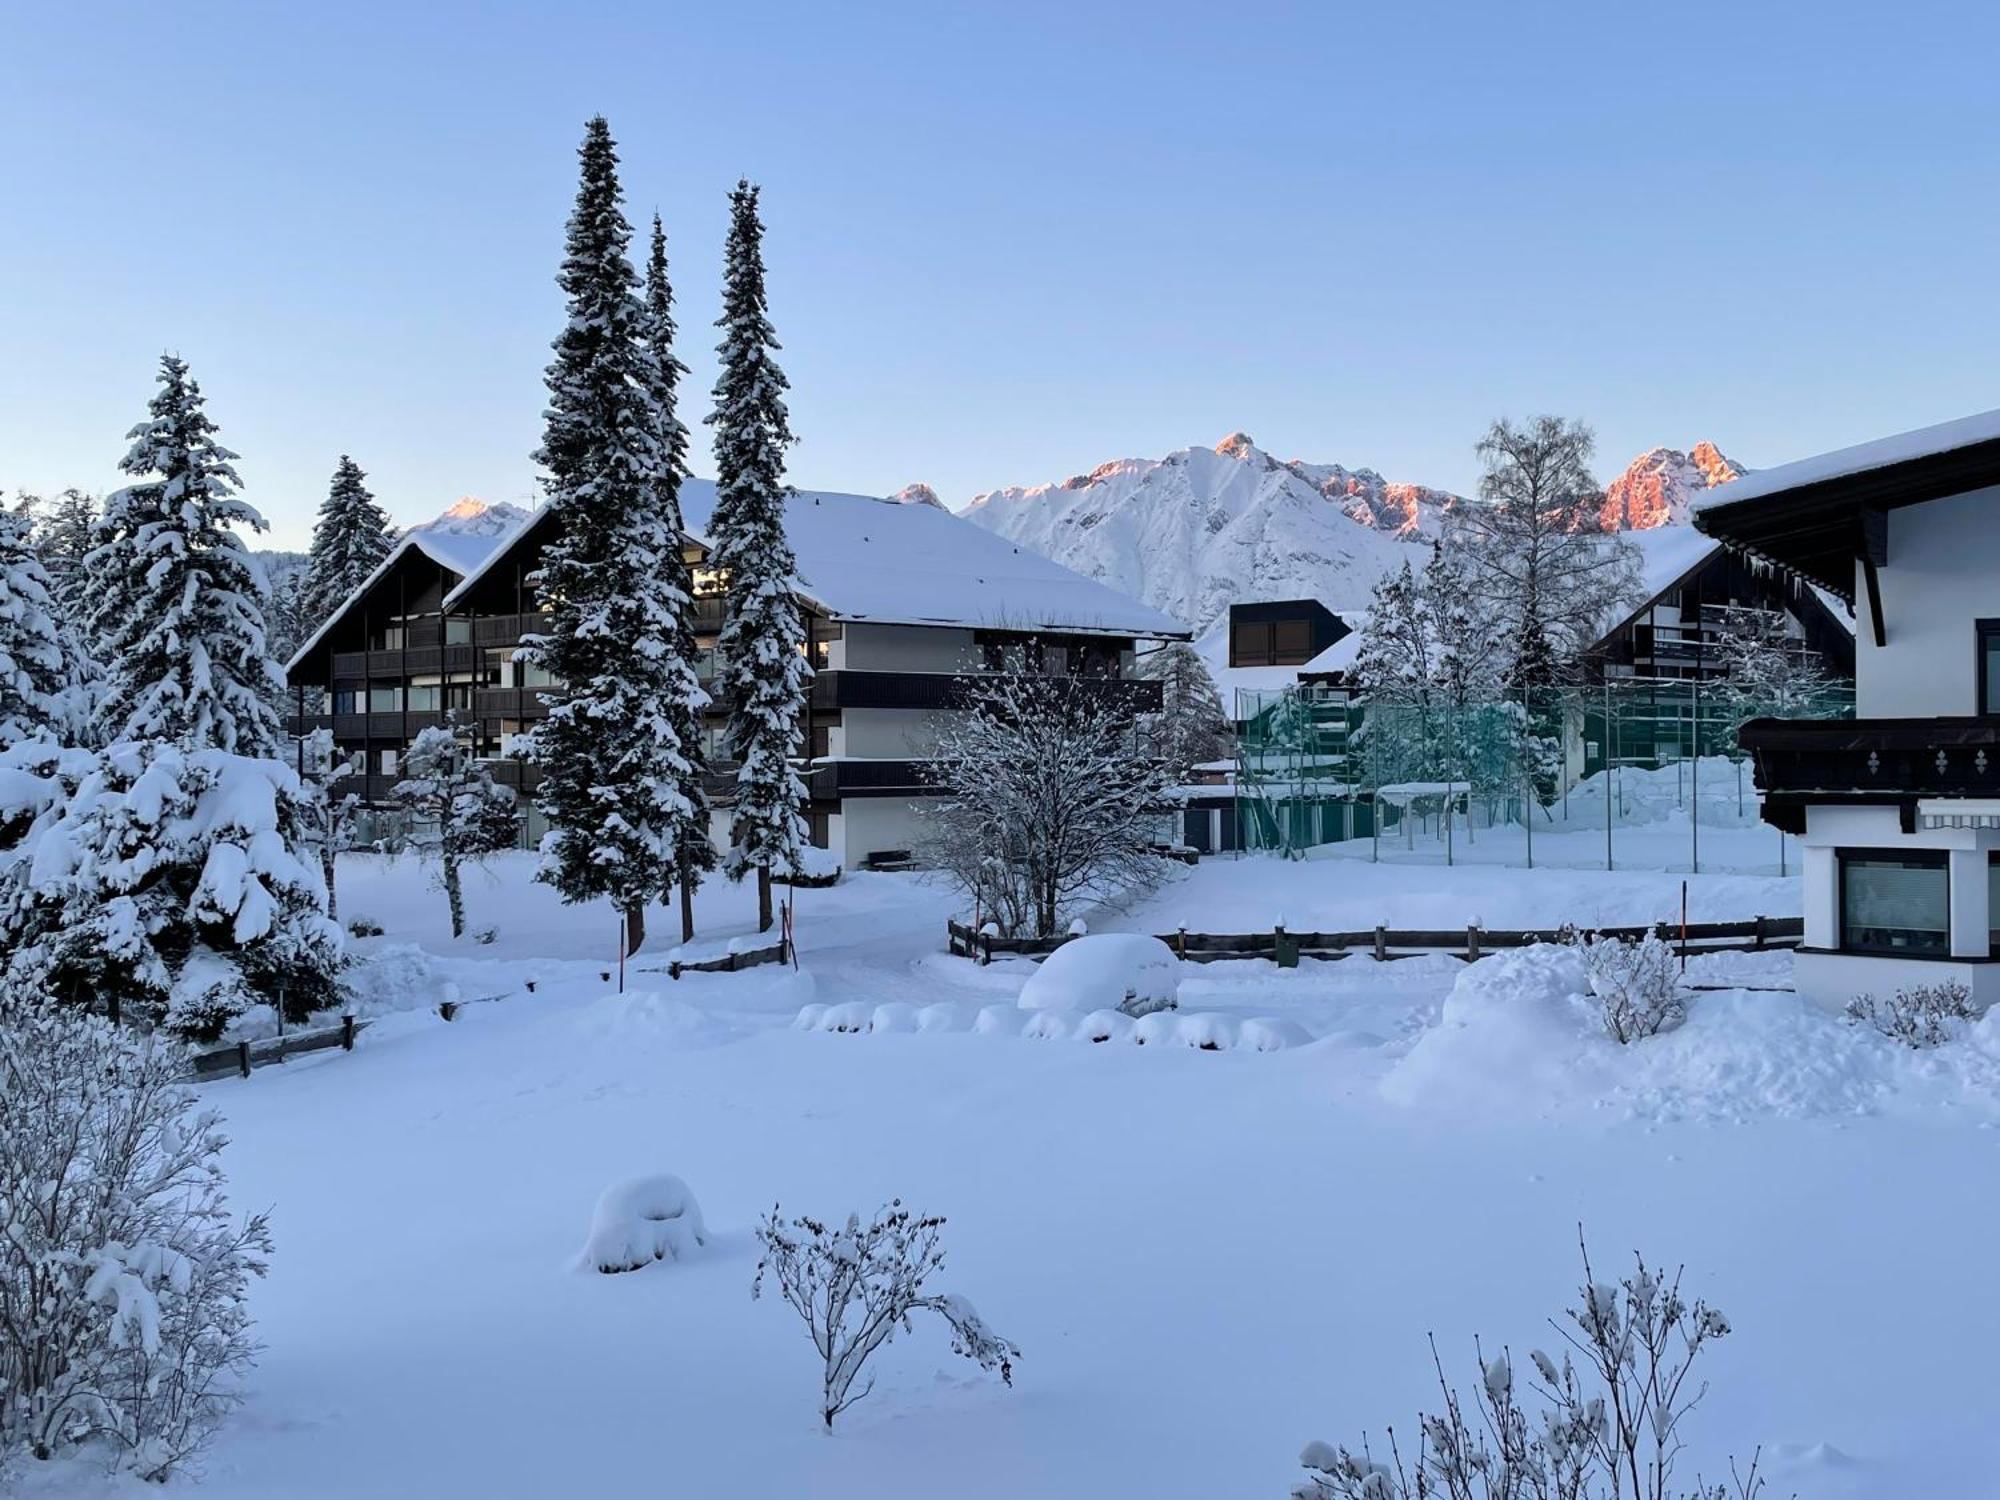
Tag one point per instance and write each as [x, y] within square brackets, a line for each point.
[243, 1057]
[1183, 943]
[347, 1033]
[1472, 942]
[985, 949]
[1381, 943]
[1757, 931]
[673, 968]
[447, 1008]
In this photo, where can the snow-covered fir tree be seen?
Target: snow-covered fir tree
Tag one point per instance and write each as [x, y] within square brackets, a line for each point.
[1191, 726]
[695, 854]
[332, 816]
[286, 621]
[38, 690]
[763, 674]
[176, 599]
[63, 538]
[1536, 557]
[165, 883]
[614, 761]
[349, 541]
[124, 1278]
[454, 814]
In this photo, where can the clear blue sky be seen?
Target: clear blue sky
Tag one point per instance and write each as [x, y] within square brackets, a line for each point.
[1006, 242]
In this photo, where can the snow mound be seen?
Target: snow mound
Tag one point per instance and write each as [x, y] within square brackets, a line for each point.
[1208, 1032]
[392, 977]
[1519, 1035]
[641, 1220]
[1126, 971]
[1203, 1030]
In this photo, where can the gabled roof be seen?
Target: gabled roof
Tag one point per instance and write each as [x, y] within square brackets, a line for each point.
[1809, 517]
[453, 551]
[879, 561]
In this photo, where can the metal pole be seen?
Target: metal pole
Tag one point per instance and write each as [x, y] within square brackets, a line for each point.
[1694, 788]
[1607, 773]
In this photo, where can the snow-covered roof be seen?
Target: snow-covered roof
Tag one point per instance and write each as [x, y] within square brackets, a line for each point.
[1341, 655]
[456, 552]
[884, 562]
[1923, 442]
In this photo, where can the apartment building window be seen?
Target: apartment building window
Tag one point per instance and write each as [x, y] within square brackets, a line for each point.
[425, 698]
[387, 760]
[1989, 666]
[1896, 902]
[458, 630]
[1270, 643]
[384, 700]
[343, 700]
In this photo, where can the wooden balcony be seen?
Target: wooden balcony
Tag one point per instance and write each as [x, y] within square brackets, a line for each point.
[1870, 762]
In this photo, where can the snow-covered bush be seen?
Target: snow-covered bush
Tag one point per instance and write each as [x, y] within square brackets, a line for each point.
[363, 927]
[855, 1287]
[641, 1220]
[1601, 1420]
[1926, 1015]
[1042, 799]
[1635, 985]
[123, 1279]
[161, 859]
[1125, 971]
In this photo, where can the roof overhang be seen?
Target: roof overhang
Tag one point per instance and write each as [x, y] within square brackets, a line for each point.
[1819, 529]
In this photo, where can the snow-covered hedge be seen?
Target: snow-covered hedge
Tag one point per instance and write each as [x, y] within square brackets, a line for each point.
[1124, 971]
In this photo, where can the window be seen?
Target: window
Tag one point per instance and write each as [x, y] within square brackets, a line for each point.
[1250, 644]
[457, 630]
[1993, 904]
[388, 762]
[1989, 666]
[425, 698]
[1895, 902]
[384, 700]
[343, 700]
[1293, 645]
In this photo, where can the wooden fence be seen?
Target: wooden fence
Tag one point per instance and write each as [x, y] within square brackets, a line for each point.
[243, 1056]
[1384, 943]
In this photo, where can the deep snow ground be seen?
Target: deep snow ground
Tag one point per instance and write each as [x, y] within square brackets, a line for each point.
[1207, 1258]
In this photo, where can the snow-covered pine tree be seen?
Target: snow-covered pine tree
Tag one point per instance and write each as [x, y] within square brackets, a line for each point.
[454, 814]
[614, 766]
[38, 691]
[349, 541]
[764, 673]
[62, 536]
[176, 600]
[1191, 726]
[331, 817]
[694, 854]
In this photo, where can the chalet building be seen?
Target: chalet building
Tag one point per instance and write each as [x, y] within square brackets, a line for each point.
[1697, 592]
[1286, 633]
[1898, 809]
[902, 605]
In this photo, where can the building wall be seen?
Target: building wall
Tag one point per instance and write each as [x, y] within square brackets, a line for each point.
[870, 825]
[1943, 573]
[886, 733]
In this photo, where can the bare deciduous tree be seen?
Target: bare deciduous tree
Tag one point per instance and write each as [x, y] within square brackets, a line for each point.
[1540, 566]
[455, 813]
[855, 1288]
[1045, 798]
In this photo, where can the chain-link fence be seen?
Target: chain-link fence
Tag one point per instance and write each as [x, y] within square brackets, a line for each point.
[1643, 770]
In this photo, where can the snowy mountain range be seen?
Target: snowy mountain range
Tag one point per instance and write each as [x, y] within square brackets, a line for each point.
[473, 517]
[1202, 527]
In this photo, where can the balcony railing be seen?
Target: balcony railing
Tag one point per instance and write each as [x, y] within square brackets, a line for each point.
[947, 690]
[1870, 762]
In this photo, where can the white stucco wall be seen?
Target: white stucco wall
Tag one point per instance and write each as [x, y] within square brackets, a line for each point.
[868, 825]
[887, 733]
[1943, 573]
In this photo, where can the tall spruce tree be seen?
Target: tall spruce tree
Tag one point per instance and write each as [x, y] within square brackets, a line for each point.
[176, 600]
[613, 762]
[63, 540]
[350, 539]
[37, 686]
[763, 673]
[695, 852]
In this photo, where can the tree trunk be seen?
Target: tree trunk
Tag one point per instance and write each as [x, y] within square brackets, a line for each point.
[687, 902]
[635, 927]
[763, 898]
[454, 895]
[326, 868]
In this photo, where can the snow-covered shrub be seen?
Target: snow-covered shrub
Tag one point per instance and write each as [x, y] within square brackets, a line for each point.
[1042, 799]
[364, 927]
[123, 1279]
[855, 1287]
[1635, 985]
[1127, 971]
[1926, 1015]
[641, 1220]
[206, 998]
[159, 859]
[1601, 1420]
